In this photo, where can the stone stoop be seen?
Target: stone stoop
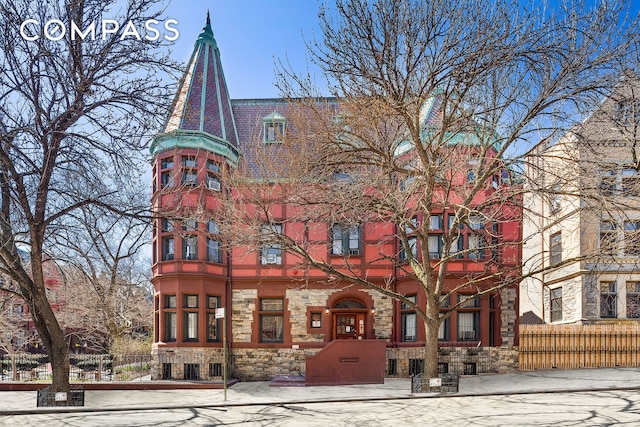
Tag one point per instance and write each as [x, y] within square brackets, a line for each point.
[288, 381]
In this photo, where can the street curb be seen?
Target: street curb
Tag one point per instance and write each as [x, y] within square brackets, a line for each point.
[121, 385]
[224, 406]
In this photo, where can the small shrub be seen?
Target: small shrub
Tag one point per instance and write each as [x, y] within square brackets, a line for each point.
[27, 364]
[88, 365]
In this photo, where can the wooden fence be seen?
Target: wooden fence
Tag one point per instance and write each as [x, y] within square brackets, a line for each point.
[579, 346]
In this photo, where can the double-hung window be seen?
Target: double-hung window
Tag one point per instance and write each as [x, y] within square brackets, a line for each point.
[633, 300]
[166, 175]
[632, 238]
[214, 247]
[189, 170]
[555, 299]
[271, 251]
[444, 332]
[469, 319]
[213, 324]
[434, 239]
[608, 298]
[345, 240]
[412, 242]
[170, 326]
[608, 181]
[409, 320]
[167, 248]
[555, 244]
[477, 244]
[457, 244]
[190, 317]
[214, 252]
[271, 320]
[608, 237]
[630, 182]
[435, 245]
[190, 247]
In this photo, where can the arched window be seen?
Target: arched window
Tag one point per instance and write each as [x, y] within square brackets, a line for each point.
[349, 303]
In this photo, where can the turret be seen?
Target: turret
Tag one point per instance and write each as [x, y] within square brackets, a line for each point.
[191, 157]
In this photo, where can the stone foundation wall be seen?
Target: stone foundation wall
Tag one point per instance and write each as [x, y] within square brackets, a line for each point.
[403, 362]
[179, 357]
[262, 364]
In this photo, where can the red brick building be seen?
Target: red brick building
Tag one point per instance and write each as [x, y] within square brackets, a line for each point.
[273, 324]
[18, 330]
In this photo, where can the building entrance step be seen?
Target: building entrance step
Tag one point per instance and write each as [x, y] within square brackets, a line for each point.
[288, 381]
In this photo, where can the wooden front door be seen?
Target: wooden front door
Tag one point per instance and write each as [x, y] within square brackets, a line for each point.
[349, 326]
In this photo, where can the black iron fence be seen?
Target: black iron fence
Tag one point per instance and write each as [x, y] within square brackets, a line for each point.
[464, 361]
[75, 397]
[82, 368]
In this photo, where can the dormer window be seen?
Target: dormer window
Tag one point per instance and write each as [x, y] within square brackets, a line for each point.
[274, 126]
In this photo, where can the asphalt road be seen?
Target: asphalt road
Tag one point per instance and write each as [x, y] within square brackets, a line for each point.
[615, 407]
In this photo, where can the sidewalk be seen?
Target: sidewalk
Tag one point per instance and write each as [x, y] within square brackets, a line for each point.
[248, 393]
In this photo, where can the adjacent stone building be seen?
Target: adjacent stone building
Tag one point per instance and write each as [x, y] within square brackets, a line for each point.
[582, 218]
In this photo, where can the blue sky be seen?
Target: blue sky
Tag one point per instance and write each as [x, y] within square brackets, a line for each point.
[250, 35]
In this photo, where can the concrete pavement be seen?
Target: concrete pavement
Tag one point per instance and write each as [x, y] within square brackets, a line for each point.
[254, 393]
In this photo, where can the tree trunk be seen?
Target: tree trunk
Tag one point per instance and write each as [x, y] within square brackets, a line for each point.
[431, 349]
[53, 339]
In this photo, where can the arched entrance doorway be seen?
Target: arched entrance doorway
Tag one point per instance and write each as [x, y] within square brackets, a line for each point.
[349, 320]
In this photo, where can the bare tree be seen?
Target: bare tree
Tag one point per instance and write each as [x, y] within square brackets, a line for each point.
[434, 104]
[76, 113]
[106, 275]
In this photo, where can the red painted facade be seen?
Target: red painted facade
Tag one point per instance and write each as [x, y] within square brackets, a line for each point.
[191, 279]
